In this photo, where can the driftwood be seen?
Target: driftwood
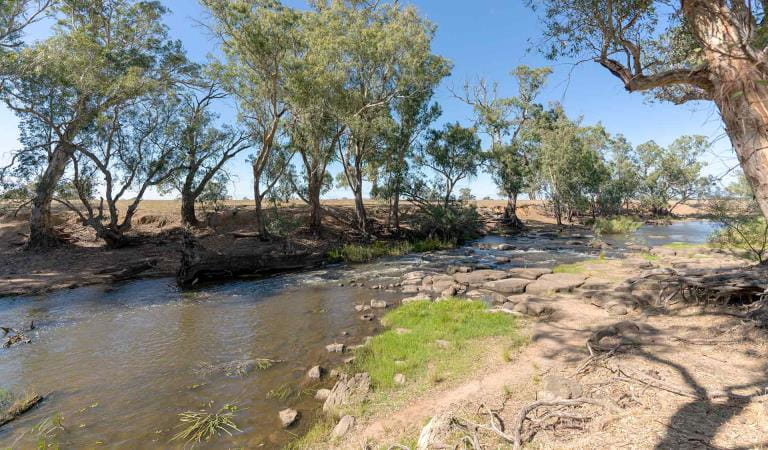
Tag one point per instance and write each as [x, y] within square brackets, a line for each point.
[19, 408]
[199, 264]
[245, 235]
[121, 273]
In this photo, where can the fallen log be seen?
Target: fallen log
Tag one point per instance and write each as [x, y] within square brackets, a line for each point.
[199, 264]
[19, 407]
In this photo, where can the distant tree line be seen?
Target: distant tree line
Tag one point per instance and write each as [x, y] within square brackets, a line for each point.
[111, 107]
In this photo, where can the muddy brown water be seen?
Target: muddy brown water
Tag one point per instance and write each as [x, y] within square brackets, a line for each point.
[119, 362]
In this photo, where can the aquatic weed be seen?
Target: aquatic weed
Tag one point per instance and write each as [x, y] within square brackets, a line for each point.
[199, 426]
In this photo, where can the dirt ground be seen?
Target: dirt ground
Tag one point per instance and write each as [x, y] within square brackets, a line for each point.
[684, 377]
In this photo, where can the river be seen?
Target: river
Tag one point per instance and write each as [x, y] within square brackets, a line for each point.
[121, 362]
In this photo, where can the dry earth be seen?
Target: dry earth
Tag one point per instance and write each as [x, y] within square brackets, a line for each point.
[682, 376]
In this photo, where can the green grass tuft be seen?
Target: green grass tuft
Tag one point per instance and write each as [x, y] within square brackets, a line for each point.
[616, 225]
[578, 267]
[417, 354]
[199, 426]
[366, 253]
[684, 245]
[319, 432]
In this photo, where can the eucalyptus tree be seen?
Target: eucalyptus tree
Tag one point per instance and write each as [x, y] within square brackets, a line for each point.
[411, 116]
[15, 16]
[679, 51]
[102, 54]
[262, 45]
[672, 175]
[128, 151]
[376, 52]
[453, 154]
[504, 120]
[204, 147]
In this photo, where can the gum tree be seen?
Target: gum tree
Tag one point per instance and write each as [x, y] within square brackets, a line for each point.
[713, 50]
[262, 46]
[505, 121]
[102, 54]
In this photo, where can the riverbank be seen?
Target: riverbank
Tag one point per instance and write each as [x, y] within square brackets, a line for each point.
[607, 366]
[158, 234]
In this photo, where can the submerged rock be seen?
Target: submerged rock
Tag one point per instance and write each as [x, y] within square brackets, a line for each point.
[335, 348]
[378, 304]
[322, 394]
[315, 373]
[288, 417]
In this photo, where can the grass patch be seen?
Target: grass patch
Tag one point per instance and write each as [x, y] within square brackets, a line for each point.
[684, 245]
[649, 257]
[319, 432]
[352, 253]
[199, 426]
[616, 225]
[578, 267]
[283, 392]
[438, 343]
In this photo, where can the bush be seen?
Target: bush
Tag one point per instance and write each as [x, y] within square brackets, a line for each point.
[352, 253]
[616, 225]
[748, 238]
[456, 222]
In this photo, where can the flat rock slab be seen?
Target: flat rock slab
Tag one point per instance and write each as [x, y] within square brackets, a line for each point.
[596, 284]
[529, 273]
[508, 285]
[558, 388]
[479, 277]
[555, 282]
[486, 295]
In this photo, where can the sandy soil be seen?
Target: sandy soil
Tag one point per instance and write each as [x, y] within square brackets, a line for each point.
[697, 351]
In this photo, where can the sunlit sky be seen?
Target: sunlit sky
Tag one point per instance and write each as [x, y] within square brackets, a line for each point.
[483, 38]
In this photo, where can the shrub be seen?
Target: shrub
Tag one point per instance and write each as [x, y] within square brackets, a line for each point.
[616, 225]
[353, 253]
[748, 238]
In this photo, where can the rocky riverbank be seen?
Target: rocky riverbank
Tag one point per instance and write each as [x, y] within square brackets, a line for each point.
[620, 354]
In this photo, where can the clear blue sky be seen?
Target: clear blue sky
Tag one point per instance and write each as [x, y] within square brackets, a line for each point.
[487, 38]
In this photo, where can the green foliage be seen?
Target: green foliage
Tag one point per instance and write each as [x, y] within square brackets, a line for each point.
[743, 230]
[283, 392]
[616, 225]
[366, 253]
[415, 352]
[454, 223]
[47, 432]
[202, 426]
[319, 431]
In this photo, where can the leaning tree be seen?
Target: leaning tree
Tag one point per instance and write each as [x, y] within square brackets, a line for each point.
[684, 50]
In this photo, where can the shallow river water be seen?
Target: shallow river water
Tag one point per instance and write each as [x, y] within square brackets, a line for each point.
[119, 363]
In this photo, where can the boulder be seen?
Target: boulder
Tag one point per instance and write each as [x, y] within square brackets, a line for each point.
[342, 428]
[417, 298]
[315, 373]
[410, 289]
[378, 303]
[322, 394]
[508, 285]
[486, 296]
[529, 273]
[554, 387]
[479, 277]
[347, 391]
[367, 317]
[504, 247]
[335, 348]
[288, 417]
[555, 282]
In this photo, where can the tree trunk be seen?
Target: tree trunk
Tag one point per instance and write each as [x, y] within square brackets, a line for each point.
[510, 212]
[261, 225]
[362, 217]
[188, 216]
[396, 210]
[41, 233]
[315, 216]
[736, 72]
